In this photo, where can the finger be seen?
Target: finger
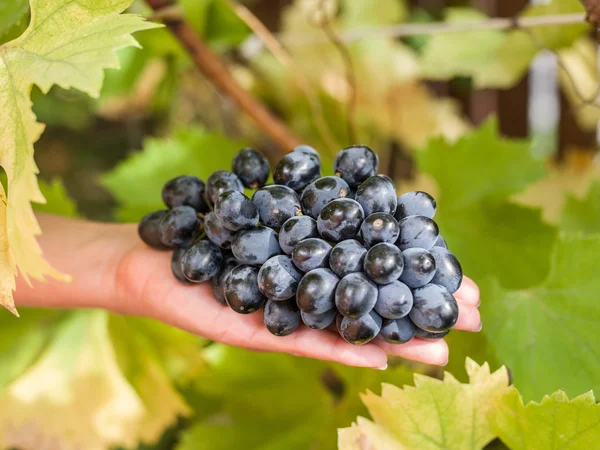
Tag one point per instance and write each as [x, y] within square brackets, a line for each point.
[468, 293]
[469, 318]
[428, 352]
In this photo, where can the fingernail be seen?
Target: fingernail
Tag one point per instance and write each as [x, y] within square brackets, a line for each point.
[383, 367]
[480, 327]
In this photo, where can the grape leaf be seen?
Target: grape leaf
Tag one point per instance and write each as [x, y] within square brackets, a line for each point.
[68, 44]
[554, 423]
[137, 182]
[582, 215]
[76, 396]
[434, 414]
[555, 324]
[475, 176]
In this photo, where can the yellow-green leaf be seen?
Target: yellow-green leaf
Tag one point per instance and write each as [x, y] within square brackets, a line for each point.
[434, 414]
[554, 423]
[69, 44]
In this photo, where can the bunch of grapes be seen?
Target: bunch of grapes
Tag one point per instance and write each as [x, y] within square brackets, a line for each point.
[340, 252]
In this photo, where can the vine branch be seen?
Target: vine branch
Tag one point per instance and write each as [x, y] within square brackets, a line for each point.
[211, 65]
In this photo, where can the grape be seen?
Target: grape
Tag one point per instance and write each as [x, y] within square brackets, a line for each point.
[222, 181]
[377, 194]
[383, 263]
[388, 179]
[394, 301]
[218, 282]
[440, 242]
[340, 220]
[355, 295]
[216, 232]
[417, 231]
[202, 261]
[311, 254]
[415, 204]
[362, 329]
[320, 192]
[318, 321]
[180, 225]
[278, 278]
[307, 149]
[186, 190]
[379, 227]
[276, 204]
[397, 331]
[448, 272]
[297, 170]
[241, 290]
[149, 229]
[281, 318]
[236, 211]
[429, 336]
[255, 246]
[434, 309]
[295, 230]
[176, 267]
[419, 267]
[355, 164]
[347, 257]
[251, 167]
[316, 291]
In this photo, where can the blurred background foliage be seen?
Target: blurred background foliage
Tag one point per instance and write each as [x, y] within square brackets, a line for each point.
[494, 123]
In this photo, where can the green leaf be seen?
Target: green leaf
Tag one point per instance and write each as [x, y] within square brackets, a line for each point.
[490, 236]
[538, 330]
[58, 200]
[12, 12]
[434, 414]
[137, 182]
[582, 215]
[554, 423]
[68, 44]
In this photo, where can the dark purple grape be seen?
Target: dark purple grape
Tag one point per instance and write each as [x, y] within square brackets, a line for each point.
[295, 230]
[440, 242]
[347, 257]
[216, 232]
[255, 246]
[251, 167]
[377, 194]
[397, 331]
[201, 261]
[320, 192]
[297, 170]
[355, 295]
[186, 190]
[434, 309]
[218, 282]
[417, 231]
[176, 266]
[149, 229]
[278, 278]
[180, 225]
[448, 272]
[416, 203]
[379, 227]
[281, 318]
[236, 211]
[362, 329]
[276, 204]
[307, 149]
[316, 291]
[241, 290]
[355, 164]
[419, 267]
[394, 301]
[429, 336]
[340, 220]
[311, 254]
[383, 263]
[318, 321]
[222, 181]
